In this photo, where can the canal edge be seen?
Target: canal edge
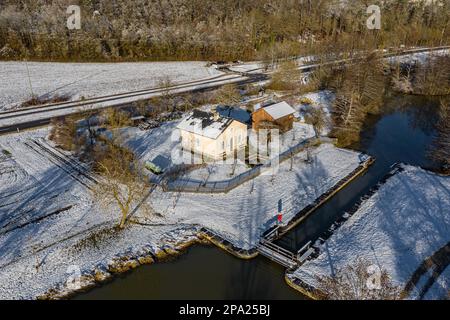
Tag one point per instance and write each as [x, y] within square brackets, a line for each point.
[227, 246]
[300, 287]
[362, 168]
[123, 263]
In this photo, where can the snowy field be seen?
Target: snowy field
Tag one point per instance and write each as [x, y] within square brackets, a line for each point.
[46, 215]
[322, 99]
[440, 288]
[90, 79]
[406, 221]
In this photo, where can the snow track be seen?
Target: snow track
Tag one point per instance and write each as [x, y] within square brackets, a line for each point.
[34, 184]
[72, 167]
[10, 173]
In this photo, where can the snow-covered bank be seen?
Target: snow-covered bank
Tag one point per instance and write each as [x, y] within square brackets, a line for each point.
[406, 221]
[50, 225]
[77, 80]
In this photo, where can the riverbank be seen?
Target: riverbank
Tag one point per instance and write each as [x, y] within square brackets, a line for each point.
[126, 263]
[380, 231]
[119, 265]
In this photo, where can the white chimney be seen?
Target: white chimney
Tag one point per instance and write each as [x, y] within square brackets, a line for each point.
[215, 114]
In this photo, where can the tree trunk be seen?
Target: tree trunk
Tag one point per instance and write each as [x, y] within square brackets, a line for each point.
[123, 220]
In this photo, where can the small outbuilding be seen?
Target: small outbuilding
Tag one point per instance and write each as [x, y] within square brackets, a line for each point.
[275, 116]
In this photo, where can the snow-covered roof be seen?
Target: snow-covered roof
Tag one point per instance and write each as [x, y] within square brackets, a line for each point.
[279, 110]
[204, 124]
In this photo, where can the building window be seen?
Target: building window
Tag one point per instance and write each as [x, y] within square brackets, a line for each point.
[197, 142]
[223, 145]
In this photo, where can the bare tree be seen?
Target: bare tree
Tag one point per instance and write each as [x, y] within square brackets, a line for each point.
[228, 95]
[359, 91]
[316, 117]
[440, 148]
[429, 77]
[116, 118]
[167, 101]
[122, 181]
[63, 132]
[401, 77]
[358, 281]
[141, 108]
[287, 77]
[433, 76]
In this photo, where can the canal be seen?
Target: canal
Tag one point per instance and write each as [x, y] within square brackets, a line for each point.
[402, 133]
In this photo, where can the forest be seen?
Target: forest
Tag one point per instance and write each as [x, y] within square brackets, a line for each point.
[151, 30]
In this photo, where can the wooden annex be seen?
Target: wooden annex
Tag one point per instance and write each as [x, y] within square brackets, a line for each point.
[276, 116]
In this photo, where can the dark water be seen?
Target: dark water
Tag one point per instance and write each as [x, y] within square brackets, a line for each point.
[204, 272]
[401, 134]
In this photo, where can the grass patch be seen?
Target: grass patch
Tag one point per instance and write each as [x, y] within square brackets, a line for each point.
[36, 101]
[96, 238]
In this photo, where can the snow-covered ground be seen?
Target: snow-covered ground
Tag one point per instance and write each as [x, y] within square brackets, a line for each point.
[216, 172]
[320, 99]
[252, 67]
[46, 217]
[402, 224]
[420, 57]
[50, 222]
[323, 99]
[149, 144]
[299, 133]
[78, 80]
[440, 288]
[242, 214]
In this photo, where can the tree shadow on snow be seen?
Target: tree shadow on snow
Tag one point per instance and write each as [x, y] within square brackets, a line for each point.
[24, 223]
